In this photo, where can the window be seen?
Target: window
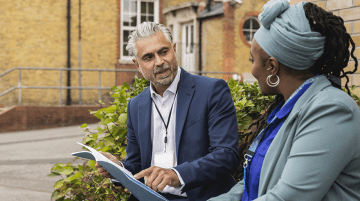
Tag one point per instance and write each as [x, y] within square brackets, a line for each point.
[249, 25]
[134, 12]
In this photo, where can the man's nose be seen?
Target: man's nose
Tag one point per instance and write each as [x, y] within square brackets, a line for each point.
[158, 60]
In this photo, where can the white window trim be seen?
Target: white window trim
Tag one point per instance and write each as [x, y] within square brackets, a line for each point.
[251, 30]
[127, 59]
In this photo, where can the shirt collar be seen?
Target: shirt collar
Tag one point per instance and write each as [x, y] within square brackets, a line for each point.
[172, 88]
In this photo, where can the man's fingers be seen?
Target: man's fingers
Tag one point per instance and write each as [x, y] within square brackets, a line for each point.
[160, 182]
[102, 171]
[162, 185]
[144, 173]
[111, 157]
[106, 154]
[154, 184]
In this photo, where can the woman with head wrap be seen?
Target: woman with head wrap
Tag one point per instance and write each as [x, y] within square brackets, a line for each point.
[307, 144]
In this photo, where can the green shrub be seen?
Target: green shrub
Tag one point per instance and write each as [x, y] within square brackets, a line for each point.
[82, 182]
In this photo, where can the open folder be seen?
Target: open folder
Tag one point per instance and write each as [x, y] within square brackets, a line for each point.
[138, 189]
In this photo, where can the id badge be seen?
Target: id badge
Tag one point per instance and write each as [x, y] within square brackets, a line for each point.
[164, 160]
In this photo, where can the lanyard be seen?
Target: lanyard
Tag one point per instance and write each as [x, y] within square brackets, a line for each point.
[166, 124]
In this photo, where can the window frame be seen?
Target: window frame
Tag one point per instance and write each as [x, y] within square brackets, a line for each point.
[138, 20]
[248, 16]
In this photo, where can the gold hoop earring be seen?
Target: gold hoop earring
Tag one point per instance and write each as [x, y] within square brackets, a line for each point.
[272, 84]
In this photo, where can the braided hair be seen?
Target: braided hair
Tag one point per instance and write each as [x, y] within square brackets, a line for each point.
[336, 52]
[333, 61]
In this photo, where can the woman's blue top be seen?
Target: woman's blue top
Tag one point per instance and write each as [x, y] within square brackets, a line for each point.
[275, 121]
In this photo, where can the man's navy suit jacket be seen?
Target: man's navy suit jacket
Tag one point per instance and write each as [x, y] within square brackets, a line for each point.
[206, 135]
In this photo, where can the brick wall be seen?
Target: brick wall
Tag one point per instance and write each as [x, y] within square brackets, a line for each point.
[228, 40]
[212, 45]
[33, 33]
[20, 118]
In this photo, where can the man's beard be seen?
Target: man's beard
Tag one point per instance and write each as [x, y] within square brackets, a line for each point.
[164, 80]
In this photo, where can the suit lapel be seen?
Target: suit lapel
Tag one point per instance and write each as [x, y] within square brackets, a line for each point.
[144, 126]
[185, 94]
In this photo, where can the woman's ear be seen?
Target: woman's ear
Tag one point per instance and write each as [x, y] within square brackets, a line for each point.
[273, 66]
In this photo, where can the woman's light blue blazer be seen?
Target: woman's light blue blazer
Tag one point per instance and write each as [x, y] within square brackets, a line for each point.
[316, 153]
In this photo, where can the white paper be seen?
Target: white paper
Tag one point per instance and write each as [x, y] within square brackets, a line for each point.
[99, 157]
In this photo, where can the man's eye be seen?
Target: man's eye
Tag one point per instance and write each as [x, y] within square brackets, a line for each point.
[251, 60]
[163, 52]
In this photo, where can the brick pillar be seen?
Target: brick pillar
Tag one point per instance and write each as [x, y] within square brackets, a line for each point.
[228, 40]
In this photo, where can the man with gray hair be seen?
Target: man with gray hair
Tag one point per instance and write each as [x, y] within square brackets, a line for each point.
[182, 130]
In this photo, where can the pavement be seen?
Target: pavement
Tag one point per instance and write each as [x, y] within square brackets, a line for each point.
[26, 159]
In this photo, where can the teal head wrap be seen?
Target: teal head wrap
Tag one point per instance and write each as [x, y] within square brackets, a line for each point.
[286, 35]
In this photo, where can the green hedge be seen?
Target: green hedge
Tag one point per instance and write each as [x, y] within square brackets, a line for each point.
[82, 182]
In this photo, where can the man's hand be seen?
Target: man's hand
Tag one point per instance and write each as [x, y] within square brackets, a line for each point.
[158, 178]
[101, 170]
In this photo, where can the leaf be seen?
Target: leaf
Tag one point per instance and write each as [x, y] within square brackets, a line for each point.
[53, 174]
[57, 167]
[73, 177]
[81, 168]
[87, 139]
[110, 109]
[122, 99]
[66, 170]
[126, 85]
[122, 119]
[249, 104]
[123, 153]
[243, 101]
[59, 184]
[92, 164]
[55, 195]
[106, 148]
[83, 125]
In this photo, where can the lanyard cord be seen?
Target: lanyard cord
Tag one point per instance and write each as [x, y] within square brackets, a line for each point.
[166, 125]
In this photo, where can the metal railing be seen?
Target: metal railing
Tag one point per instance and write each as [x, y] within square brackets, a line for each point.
[60, 87]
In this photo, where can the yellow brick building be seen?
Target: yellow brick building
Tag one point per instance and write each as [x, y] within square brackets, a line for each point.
[33, 33]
